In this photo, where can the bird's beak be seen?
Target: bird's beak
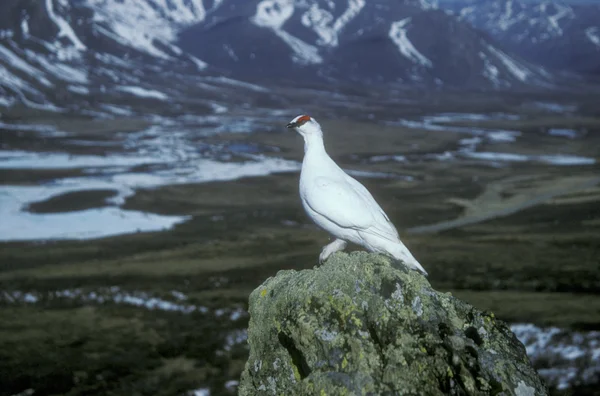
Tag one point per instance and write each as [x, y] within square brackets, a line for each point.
[292, 125]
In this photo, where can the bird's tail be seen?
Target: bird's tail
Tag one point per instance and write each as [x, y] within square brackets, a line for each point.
[401, 252]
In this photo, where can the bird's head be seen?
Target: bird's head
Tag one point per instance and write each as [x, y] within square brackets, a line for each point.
[305, 126]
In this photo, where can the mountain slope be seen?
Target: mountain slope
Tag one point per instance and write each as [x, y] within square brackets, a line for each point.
[383, 41]
[552, 33]
[56, 51]
[66, 55]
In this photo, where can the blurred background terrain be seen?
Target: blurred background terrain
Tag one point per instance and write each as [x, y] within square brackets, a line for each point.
[148, 183]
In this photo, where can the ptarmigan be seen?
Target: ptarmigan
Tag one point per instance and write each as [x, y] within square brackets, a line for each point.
[341, 205]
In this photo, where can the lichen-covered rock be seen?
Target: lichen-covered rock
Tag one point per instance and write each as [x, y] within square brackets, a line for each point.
[360, 326]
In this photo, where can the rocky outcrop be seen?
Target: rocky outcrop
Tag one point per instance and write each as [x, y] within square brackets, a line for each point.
[362, 325]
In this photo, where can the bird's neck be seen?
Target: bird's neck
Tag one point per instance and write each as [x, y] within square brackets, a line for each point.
[313, 144]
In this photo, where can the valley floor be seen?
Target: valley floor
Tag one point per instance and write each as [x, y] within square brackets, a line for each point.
[163, 312]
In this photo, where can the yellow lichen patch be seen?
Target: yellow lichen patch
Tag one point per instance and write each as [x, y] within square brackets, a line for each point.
[344, 363]
[323, 392]
[357, 322]
[263, 292]
[296, 372]
[483, 384]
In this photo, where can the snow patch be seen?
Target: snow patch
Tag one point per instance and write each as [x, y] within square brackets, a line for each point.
[117, 110]
[399, 36]
[566, 357]
[562, 12]
[92, 223]
[25, 26]
[304, 54]
[170, 155]
[79, 89]
[490, 71]
[468, 146]
[490, 156]
[236, 83]
[17, 159]
[568, 133]
[6, 102]
[140, 23]
[377, 175]
[200, 65]
[235, 337]
[61, 70]
[65, 30]
[6, 33]
[273, 14]
[552, 107]
[505, 20]
[553, 159]
[320, 21]
[143, 92]
[110, 173]
[200, 392]
[466, 12]
[17, 84]
[387, 158]
[503, 136]
[231, 52]
[429, 4]
[10, 58]
[520, 72]
[232, 385]
[593, 34]
[112, 294]
[560, 159]
[218, 109]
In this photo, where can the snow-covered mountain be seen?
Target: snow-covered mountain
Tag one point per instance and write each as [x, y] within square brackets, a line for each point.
[74, 53]
[78, 52]
[383, 41]
[552, 33]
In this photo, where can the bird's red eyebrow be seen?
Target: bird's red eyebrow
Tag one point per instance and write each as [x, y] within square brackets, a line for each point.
[304, 118]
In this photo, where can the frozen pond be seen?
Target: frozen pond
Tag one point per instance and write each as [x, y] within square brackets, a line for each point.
[151, 158]
[175, 151]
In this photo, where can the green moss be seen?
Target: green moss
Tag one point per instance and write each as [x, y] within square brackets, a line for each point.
[321, 312]
[344, 363]
[295, 370]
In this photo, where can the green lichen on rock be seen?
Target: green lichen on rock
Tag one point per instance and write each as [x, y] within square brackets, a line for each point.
[360, 325]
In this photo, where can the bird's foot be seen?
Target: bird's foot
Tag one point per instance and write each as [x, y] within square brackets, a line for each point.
[331, 248]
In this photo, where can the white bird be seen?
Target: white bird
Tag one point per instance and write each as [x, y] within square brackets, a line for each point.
[342, 206]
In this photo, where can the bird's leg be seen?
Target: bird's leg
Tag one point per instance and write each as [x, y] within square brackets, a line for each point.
[333, 247]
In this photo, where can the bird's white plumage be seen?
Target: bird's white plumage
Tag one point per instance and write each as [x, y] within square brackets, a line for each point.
[340, 204]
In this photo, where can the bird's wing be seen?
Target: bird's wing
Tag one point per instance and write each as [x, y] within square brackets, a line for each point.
[383, 226]
[349, 205]
[338, 202]
[362, 190]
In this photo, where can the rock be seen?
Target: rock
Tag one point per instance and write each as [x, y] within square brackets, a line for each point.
[359, 326]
